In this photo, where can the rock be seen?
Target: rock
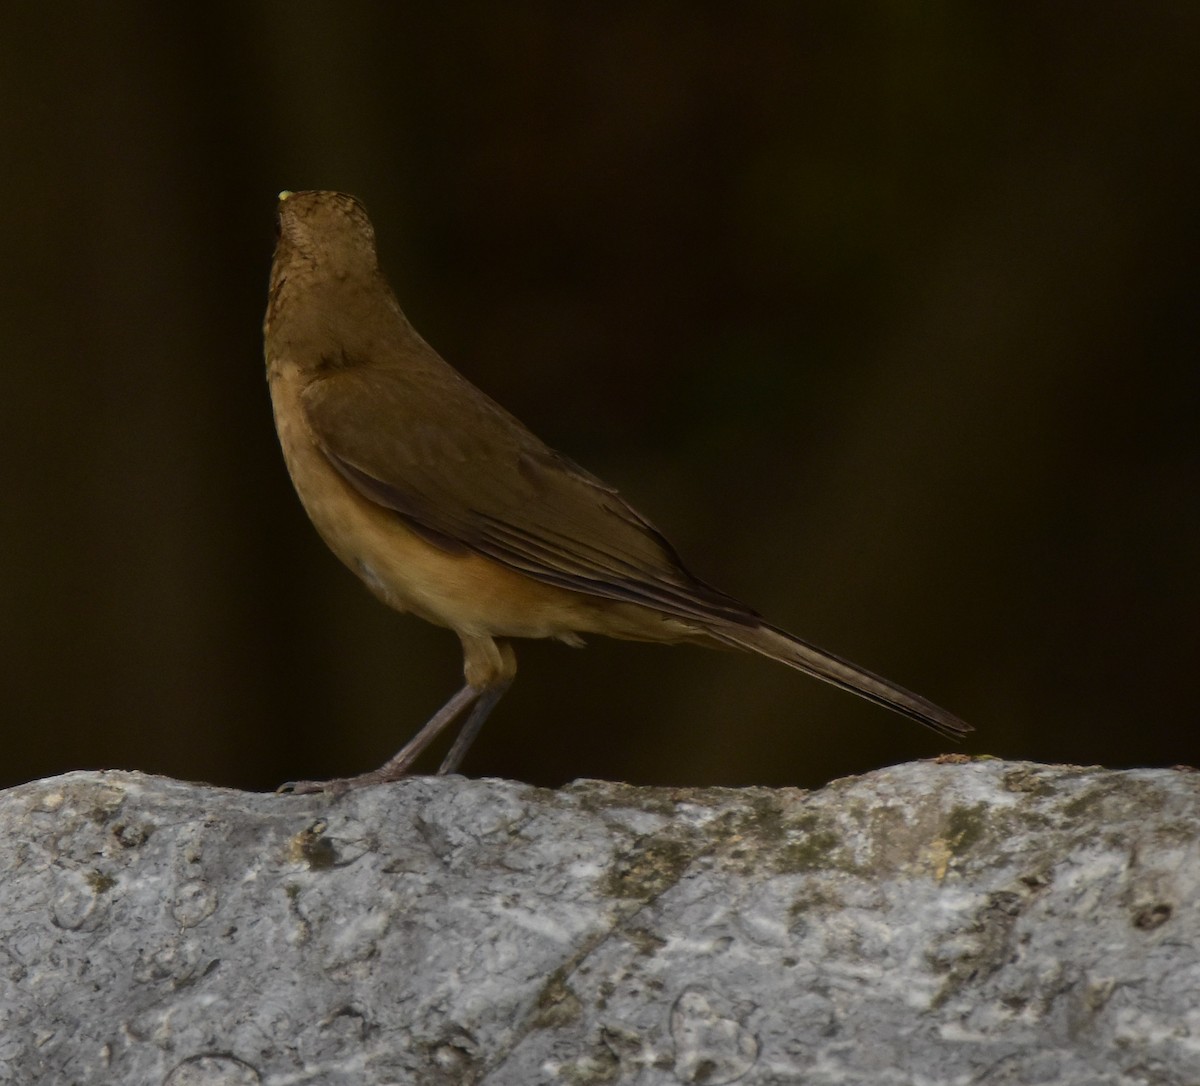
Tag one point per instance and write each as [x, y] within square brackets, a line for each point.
[983, 922]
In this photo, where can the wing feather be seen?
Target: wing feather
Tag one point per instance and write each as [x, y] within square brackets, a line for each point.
[468, 476]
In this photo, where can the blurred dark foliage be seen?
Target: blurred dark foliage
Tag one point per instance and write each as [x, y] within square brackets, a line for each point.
[885, 314]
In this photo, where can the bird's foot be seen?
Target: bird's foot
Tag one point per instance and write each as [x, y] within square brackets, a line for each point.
[338, 786]
[311, 788]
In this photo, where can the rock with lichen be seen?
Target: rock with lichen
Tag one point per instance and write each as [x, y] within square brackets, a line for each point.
[943, 923]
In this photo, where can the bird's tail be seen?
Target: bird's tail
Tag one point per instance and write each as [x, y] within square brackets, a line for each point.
[781, 646]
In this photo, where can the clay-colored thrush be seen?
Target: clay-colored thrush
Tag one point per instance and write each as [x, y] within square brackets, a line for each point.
[448, 507]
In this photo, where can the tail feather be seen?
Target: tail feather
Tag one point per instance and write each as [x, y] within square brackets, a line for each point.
[782, 646]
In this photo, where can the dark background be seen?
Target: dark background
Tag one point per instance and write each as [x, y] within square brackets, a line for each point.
[887, 318]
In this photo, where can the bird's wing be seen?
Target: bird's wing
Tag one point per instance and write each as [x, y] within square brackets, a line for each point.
[468, 476]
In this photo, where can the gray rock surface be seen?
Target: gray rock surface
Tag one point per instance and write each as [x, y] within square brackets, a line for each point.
[984, 922]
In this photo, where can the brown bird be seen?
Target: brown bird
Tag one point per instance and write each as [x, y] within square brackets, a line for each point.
[448, 507]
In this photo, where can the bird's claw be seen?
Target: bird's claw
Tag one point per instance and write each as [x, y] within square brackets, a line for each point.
[336, 787]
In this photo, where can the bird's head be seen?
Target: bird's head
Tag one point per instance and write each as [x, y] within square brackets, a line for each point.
[329, 224]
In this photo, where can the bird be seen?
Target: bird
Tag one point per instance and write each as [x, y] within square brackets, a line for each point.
[449, 508]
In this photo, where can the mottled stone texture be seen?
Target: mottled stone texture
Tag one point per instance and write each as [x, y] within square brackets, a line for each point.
[982, 922]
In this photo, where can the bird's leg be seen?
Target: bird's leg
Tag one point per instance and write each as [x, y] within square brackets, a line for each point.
[489, 667]
[397, 766]
[467, 733]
